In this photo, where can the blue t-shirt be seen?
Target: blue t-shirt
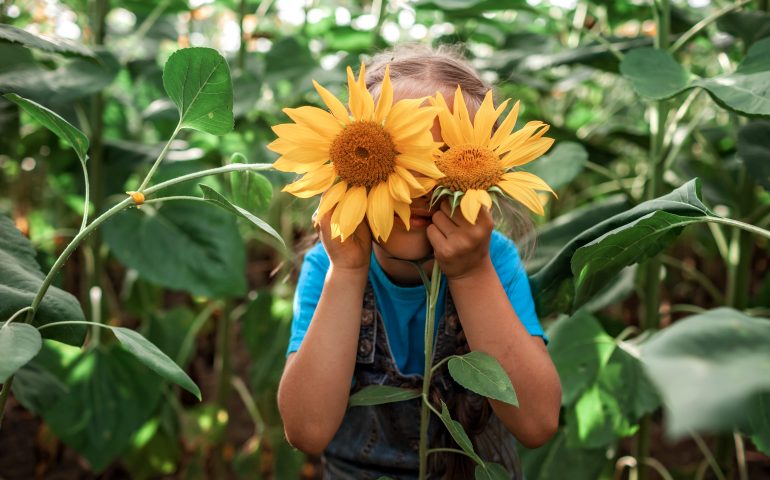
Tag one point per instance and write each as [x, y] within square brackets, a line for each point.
[403, 308]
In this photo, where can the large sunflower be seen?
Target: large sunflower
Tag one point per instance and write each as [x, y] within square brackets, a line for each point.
[478, 162]
[363, 159]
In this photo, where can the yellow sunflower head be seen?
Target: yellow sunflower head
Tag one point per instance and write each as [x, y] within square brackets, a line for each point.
[477, 162]
[361, 158]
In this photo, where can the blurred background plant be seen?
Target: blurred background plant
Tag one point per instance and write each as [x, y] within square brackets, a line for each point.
[612, 265]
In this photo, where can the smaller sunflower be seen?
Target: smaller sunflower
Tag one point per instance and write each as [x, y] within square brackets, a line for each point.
[479, 165]
[363, 159]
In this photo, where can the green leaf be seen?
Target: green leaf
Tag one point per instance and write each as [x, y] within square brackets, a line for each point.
[754, 150]
[561, 165]
[11, 34]
[491, 471]
[553, 285]
[53, 122]
[379, 394]
[19, 343]
[156, 360]
[708, 368]
[748, 25]
[556, 460]
[20, 280]
[111, 397]
[198, 81]
[759, 422]
[457, 432]
[252, 190]
[181, 245]
[603, 385]
[744, 91]
[483, 374]
[219, 200]
[654, 73]
[73, 80]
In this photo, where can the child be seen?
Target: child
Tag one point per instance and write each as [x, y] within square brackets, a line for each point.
[359, 314]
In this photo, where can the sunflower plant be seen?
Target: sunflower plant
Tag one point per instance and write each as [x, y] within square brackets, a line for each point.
[362, 158]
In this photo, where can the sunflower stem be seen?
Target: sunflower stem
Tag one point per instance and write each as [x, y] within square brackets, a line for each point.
[430, 317]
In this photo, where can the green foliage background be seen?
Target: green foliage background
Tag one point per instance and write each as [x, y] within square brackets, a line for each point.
[661, 114]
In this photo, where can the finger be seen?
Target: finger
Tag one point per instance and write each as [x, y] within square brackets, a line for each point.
[437, 239]
[485, 218]
[445, 224]
[448, 212]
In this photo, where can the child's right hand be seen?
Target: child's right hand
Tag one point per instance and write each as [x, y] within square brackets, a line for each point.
[351, 255]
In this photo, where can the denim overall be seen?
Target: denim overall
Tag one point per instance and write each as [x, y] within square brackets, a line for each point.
[383, 440]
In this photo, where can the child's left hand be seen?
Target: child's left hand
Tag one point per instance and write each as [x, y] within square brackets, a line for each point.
[459, 246]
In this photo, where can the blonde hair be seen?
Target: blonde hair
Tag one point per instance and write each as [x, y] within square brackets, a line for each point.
[418, 70]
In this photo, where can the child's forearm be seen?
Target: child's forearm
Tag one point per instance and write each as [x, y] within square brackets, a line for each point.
[314, 389]
[491, 326]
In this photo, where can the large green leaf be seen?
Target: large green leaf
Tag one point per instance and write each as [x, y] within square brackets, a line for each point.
[11, 34]
[604, 388]
[198, 81]
[155, 359]
[759, 422]
[181, 245]
[556, 460]
[599, 252]
[749, 25]
[20, 280]
[552, 236]
[379, 394]
[19, 343]
[654, 73]
[111, 396]
[219, 200]
[560, 166]
[483, 374]
[708, 368]
[72, 80]
[754, 150]
[55, 123]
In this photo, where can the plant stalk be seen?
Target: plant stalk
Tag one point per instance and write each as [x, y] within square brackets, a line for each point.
[430, 317]
[4, 397]
[224, 371]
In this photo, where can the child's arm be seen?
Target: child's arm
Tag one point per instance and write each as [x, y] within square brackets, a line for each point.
[491, 325]
[314, 389]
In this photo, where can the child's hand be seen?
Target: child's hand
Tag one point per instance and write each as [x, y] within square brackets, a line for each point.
[353, 254]
[459, 246]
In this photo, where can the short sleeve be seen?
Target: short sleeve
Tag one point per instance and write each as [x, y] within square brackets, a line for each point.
[513, 276]
[308, 293]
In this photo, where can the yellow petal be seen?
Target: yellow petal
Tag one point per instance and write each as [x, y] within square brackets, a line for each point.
[352, 209]
[385, 101]
[529, 180]
[519, 138]
[527, 153]
[300, 135]
[367, 102]
[330, 199]
[460, 112]
[470, 205]
[281, 145]
[526, 196]
[505, 128]
[335, 106]
[417, 186]
[450, 131]
[398, 188]
[483, 121]
[288, 164]
[380, 212]
[402, 109]
[312, 183]
[415, 123]
[404, 212]
[355, 102]
[320, 121]
[424, 165]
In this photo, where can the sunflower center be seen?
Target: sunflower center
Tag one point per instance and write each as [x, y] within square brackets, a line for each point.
[469, 167]
[363, 154]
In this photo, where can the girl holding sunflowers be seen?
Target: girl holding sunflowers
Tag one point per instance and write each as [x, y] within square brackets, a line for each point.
[420, 124]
